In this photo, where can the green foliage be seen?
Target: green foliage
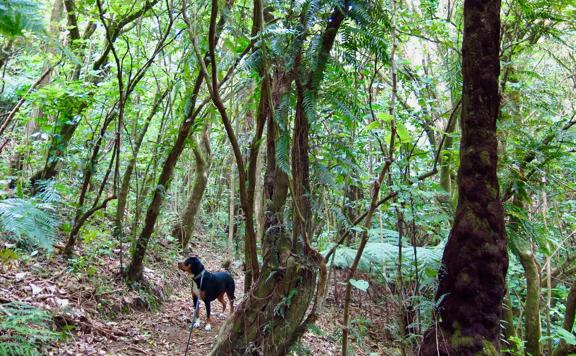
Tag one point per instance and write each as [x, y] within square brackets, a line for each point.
[381, 255]
[28, 221]
[18, 16]
[24, 329]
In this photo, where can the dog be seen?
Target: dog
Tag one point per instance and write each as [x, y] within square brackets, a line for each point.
[208, 287]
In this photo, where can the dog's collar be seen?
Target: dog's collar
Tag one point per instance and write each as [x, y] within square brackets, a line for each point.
[200, 275]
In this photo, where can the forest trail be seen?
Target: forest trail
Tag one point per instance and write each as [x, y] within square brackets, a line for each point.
[162, 331]
[102, 316]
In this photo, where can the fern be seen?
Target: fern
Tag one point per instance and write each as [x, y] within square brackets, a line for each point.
[379, 255]
[283, 152]
[17, 16]
[22, 328]
[28, 222]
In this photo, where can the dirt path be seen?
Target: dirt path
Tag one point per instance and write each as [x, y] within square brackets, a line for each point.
[163, 331]
[105, 317]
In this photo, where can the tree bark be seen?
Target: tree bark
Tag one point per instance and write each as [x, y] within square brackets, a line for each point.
[472, 280]
[532, 308]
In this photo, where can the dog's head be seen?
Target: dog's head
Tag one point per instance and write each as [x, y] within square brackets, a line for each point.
[191, 265]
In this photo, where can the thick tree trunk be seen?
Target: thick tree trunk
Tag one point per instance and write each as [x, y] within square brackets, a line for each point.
[184, 229]
[274, 315]
[472, 278]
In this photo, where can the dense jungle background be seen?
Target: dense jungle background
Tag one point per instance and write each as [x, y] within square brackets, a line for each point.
[379, 177]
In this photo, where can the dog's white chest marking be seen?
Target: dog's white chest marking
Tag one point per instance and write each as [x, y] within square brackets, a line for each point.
[195, 289]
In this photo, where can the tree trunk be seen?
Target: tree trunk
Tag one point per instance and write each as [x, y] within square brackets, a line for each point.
[119, 232]
[472, 280]
[532, 307]
[184, 228]
[231, 209]
[508, 324]
[274, 315]
[563, 348]
[136, 266]
[88, 172]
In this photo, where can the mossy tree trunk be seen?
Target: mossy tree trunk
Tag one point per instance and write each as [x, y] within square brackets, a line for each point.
[472, 280]
[532, 307]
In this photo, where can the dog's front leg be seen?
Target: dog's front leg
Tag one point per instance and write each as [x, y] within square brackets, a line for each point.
[208, 327]
[196, 306]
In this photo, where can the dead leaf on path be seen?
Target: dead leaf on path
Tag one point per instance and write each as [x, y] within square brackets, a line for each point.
[62, 303]
[35, 289]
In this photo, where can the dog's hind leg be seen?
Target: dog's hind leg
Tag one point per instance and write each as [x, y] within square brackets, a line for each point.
[223, 302]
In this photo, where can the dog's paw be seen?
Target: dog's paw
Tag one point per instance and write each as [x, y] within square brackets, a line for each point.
[208, 327]
[222, 316]
[197, 324]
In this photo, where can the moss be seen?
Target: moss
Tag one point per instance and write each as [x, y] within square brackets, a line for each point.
[457, 340]
[488, 349]
[485, 158]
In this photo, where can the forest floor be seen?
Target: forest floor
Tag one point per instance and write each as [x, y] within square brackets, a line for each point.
[102, 316]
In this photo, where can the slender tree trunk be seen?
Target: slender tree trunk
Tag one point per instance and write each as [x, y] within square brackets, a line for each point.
[88, 172]
[508, 324]
[231, 208]
[532, 308]
[125, 185]
[184, 229]
[563, 349]
[136, 266]
[472, 279]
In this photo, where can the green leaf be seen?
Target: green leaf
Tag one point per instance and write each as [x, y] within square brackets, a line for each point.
[384, 116]
[567, 336]
[403, 133]
[360, 284]
[371, 126]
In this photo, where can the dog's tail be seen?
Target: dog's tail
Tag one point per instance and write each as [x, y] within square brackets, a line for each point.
[230, 289]
[227, 265]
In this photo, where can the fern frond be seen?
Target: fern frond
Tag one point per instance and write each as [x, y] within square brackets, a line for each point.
[282, 153]
[28, 222]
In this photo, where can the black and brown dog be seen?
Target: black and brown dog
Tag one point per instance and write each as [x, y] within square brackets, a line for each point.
[208, 286]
